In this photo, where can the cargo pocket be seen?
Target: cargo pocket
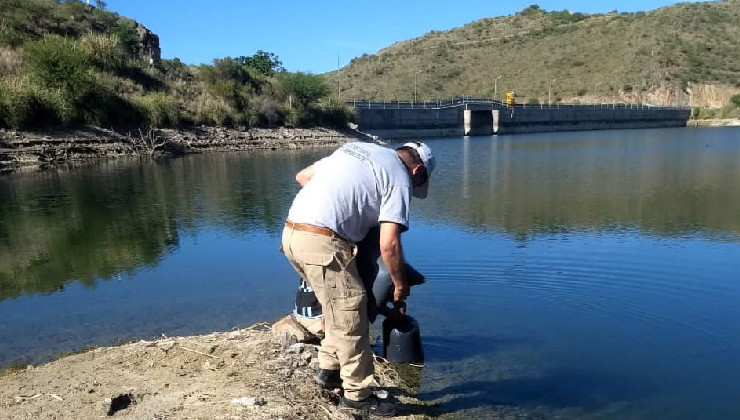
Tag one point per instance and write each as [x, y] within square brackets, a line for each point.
[348, 314]
[316, 265]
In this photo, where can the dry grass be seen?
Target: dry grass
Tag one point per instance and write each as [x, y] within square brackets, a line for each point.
[10, 61]
[104, 50]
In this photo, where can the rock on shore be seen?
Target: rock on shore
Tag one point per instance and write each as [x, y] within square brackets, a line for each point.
[227, 375]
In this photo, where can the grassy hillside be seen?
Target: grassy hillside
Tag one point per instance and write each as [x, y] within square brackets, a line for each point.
[656, 56]
[66, 63]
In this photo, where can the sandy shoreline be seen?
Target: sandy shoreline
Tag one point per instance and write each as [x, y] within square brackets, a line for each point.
[245, 373]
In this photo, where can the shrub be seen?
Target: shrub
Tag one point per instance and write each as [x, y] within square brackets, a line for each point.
[211, 110]
[306, 88]
[24, 103]
[175, 69]
[701, 113]
[10, 37]
[103, 107]
[267, 111]
[333, 114]
[16, 101]
[735, 100]
[54, 106]
[57, 63]
[103, 51]
[224, 69]
[128, 37]
[159, 110]
[581, 92]
[530, 11]
[533, 101]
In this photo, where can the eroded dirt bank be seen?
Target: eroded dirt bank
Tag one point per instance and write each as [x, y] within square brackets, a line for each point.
[50, 147]
[226, 375]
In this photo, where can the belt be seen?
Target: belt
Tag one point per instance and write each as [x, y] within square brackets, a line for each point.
[319, 230]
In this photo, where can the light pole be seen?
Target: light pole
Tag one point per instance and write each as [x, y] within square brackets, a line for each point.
[416, 75]
[495, 86]
[339, 82]
[596, 85]
[549, 92]
[636, 95]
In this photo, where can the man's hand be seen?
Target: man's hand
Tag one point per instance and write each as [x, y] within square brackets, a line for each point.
[398, 311]
[401, 293]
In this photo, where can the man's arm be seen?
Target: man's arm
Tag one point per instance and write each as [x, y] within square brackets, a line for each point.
[304, 175]
[390, 249]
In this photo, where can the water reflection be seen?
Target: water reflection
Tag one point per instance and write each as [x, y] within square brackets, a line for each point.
[114, 217]
[663, 182]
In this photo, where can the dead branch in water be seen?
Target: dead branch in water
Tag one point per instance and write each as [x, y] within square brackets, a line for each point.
[147, 143]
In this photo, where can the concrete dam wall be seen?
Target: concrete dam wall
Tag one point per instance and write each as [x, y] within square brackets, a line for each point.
[466, 117]
[405, 122]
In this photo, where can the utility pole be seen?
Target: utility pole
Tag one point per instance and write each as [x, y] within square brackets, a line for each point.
[416, 75]
[495, 86]
[549, 92]
[339, 82]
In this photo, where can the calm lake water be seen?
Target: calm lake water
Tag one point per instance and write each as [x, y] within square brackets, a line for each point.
[570, 275]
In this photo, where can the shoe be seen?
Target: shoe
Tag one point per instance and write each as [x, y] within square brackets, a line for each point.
[370, 405]
[328, 378]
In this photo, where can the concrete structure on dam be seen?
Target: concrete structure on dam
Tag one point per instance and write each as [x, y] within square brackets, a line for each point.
[481, 117]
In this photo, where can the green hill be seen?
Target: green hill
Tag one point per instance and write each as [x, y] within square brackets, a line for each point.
[67, 63]
[655, 56]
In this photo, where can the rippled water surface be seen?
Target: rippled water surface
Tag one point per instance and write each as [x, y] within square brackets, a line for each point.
[570, 275]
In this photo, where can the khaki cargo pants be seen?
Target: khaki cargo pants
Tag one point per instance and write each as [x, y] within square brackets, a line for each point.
[328, 264]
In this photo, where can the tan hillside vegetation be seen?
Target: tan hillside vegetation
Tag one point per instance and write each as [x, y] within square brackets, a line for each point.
[67, 63]
[687, 54]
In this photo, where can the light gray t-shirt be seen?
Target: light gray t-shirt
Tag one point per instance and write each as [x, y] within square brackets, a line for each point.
[353, 189]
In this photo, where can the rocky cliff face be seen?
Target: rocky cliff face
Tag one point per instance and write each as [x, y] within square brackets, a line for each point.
[148, 48]
[693, 95]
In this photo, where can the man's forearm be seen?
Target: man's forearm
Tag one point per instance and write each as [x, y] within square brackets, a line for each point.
[393, 260]
[390, 250]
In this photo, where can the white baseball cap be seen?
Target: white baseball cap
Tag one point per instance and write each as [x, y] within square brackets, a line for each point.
[425, 153]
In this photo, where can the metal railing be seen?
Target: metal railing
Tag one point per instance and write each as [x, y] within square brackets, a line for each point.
[495, 103]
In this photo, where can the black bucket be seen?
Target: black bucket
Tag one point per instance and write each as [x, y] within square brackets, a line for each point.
[402, 341]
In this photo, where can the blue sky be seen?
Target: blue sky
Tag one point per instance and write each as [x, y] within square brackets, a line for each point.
[312, 35]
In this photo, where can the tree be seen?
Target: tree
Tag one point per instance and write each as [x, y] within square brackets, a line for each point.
[735, 100]
[530, 11]
[306, 88]
[265, 63]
